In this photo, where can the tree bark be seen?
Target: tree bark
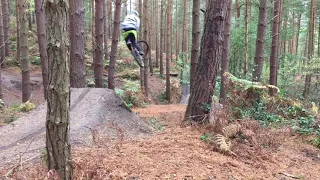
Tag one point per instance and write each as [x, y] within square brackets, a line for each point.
[147, 59]
[246, 40]
[311, 43]
[161, 36]
[93, 20]
[98, 48]
[210, 55]
[26, 88]
[225, 54]
[105, 30]
[261, 35]
[157, 33]
[57, 122]
[274, 48]
[184, 38]
[140, 9]
[18, 34]
[42, 42]
[29, 15]
[298, 33]
[2, 48]
[195, 40]
[177, 32]
[6, 13]
[168, 52]
[77, 64]
[109, 5]
[114, 45]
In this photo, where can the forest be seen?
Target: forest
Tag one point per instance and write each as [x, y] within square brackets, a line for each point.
[214, 89]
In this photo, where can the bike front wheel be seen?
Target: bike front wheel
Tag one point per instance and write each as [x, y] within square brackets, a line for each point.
[144, 47]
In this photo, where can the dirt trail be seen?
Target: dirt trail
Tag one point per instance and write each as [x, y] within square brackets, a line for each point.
[11, 86]
[178, 153]
[95, 114]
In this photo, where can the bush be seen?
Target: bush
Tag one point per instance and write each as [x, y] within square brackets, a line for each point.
[27, 106]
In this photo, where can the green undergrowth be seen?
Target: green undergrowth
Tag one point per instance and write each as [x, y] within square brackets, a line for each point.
[250, 100]
[131, 94]
[10, 114]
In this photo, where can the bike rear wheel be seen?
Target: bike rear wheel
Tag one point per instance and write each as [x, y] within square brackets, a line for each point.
[144, 47]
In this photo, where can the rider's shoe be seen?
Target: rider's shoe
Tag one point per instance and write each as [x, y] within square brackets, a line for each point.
[141, 53]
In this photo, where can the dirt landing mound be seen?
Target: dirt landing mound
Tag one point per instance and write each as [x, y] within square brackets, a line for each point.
[95, 113]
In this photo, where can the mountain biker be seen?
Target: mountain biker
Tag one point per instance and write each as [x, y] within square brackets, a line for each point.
[130, 26]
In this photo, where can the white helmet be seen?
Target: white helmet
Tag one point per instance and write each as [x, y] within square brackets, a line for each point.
[135, 12]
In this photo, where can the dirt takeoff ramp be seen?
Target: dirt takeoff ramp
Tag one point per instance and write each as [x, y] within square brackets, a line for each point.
[96, 114]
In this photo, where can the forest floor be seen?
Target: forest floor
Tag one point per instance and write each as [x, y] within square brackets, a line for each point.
[174, 150]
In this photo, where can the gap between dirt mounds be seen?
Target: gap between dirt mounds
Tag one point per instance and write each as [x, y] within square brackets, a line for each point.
[156, 110]
[95, 113]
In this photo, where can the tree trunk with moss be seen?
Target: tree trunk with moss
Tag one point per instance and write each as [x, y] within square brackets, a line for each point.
[58, 112]
[225, 54]
[210, 55]
[5, 18]
[26, 87]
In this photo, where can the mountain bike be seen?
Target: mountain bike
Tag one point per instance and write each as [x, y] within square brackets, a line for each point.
[135, 53]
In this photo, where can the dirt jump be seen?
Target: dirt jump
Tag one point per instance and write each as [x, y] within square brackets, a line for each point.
[95, 114]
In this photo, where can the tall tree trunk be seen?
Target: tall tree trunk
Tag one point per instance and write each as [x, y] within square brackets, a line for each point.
[226, 54]
[298, 33]
[109, 5]
[195, 40]
[42, 42]
[246, 40]
[18, 34]
[177, 32]
[161, 36]
[26, 88]
[29, 15]
[146, 37]
[275, 46]
[261, 35]
[105, 30]
[57, 122]
[210, 55]
[93, 14]
[184, 37]
[2, 49]
[285, 34]
[311, 41]
[114, 45]
[319, 38]
[238, 11]
[168, 51]
[77, 64]
[98, 48]
[140, 9]
[157, 33]
[6, 13]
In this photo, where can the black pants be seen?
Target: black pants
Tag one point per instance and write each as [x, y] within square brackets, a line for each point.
[132, 39]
